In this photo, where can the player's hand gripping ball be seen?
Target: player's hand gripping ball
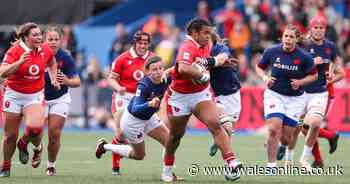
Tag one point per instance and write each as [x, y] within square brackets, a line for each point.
[205, 74]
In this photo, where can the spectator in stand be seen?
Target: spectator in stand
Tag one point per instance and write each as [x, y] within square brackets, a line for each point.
[120, 43]
[69, 41]
[226, 17]
[204, 11]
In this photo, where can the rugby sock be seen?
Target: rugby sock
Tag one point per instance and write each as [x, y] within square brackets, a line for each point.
[122, 150]
[271, 164]
[115, 157]
[6, 165]
[229, 157]
[169, 159]
[306, 152]
[289, 154]
[51, 164]
[316, 152]
[328, 134]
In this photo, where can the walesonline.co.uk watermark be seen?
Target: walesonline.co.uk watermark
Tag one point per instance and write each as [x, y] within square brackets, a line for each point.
[256, 170]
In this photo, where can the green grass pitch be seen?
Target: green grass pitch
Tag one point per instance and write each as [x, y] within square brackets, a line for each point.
[77, 164]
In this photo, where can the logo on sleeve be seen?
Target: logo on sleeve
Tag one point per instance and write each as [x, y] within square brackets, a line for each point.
[186, 55]
[297, 61]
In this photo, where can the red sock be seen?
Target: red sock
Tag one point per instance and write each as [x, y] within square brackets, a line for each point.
[328, 134]
[169, 159]
[115, 157]
[6, 165]
[228, 157]
[316, 152]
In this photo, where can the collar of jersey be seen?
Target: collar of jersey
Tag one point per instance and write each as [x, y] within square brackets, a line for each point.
[134, 55]
[194, 41]
[24, 46]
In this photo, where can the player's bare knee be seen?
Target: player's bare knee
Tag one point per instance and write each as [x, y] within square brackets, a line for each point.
[273, 132]
[214, 127]
[139, 156]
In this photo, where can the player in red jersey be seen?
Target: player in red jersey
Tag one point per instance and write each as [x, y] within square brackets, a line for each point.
[189, 94]
[126, 71]
[23, 68]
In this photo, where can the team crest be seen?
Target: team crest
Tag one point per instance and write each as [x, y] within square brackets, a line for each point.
[296, 61]
[7, 104]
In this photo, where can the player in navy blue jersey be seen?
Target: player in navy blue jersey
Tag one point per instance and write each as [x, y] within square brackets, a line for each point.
[140, 117]
[284, 101]
[329, 69]
[225, 85]
[58, 101]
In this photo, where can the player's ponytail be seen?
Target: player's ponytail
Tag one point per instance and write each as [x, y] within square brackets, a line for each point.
[196, 24]
[24, 30]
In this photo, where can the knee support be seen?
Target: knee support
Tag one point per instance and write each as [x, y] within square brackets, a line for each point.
[223, 119]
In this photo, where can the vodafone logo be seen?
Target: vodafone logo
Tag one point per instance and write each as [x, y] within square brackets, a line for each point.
[34, 70]
[138, 75]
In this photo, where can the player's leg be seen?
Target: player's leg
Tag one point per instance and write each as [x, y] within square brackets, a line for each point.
[332, 137]
[274, 125]
[229, 108]
[56, 118]
[207, 112]
[11, 124]
[289, 136]
[177, 130]
[34, 119]
[156, 129]
[316, 153]
[315, 113]
[274, 112]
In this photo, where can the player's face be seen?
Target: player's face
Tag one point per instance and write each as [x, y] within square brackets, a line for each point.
[53, 39]
[203, 36]
[142, 46]
[35, 38]
[155, 71]
[289, 39]
[318, 32]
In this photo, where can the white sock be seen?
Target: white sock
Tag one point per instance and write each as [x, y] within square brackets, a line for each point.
[51, 164]
[168, 169]
[306, 153]
[289, 154]
[271, 164]
[122, 150]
